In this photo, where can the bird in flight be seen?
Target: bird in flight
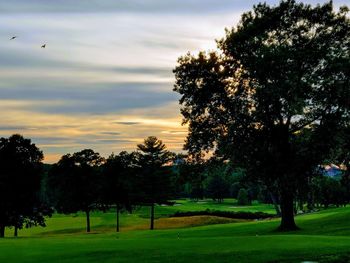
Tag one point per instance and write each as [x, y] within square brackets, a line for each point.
[43, 46]
[14, 37]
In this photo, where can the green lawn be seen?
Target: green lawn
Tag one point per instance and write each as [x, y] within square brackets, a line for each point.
[324, 237]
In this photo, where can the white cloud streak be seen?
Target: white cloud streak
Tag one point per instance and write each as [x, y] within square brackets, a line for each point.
[104, 80]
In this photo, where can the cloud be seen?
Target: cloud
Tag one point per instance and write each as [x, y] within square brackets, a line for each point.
[111, 141]
[175, 132]
[121, 6]
[145, 70]
[89, 98]
[20, 59]
[12, 128]
[127, 122]
[184, 7]
[51, 140]
[110, 133]
[105, 79]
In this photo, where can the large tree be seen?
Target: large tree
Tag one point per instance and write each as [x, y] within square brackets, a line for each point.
[273, 96]
[20, 179]
[155, 182]
[74, 183]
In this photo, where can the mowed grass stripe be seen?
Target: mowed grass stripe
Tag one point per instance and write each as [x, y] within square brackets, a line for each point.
[108, 248]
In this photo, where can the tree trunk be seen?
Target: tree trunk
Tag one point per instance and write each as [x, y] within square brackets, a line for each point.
[152, 217]
[301, 205]
[275, 204]
[87, 220]
[117, 211]
[287, 212]
[16, 231]
[2, 231]
[310, 202]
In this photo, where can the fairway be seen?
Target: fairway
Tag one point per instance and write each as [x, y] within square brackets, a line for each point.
[324, 237]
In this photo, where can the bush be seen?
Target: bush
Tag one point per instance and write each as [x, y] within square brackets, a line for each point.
[243, 198]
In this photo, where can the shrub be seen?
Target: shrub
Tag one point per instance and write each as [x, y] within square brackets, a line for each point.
[243, 198]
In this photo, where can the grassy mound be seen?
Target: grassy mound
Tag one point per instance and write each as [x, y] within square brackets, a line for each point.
[226, 214]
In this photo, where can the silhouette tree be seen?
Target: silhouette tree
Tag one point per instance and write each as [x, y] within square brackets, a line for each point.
[74, 183]
[20, 170]
[118, 180]
[154, 177]
[274, 96]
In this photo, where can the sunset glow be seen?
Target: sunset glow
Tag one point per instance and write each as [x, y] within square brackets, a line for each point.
[104, 80]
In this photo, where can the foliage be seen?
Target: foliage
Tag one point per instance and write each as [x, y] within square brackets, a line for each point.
[341, 155]
[193, 178]
[217, 186]
[155, 175]
[328, 191]
[20, 179]
[118, 182]
[242, 197]
[275, 95]
[74, 183]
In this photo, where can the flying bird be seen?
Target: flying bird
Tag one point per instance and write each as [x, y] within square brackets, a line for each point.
[43, 46]
[14, 37]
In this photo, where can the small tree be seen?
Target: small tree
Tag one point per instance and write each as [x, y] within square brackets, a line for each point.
[155, 177]
[20, 178]
[74, 183]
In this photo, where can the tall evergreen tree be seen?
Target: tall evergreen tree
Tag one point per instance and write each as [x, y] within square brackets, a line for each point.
[155, 176]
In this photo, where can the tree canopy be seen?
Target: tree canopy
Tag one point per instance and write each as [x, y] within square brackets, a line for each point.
[118, 182]
[74, 183]
[155, 178]
[273, 96]
[20, 179]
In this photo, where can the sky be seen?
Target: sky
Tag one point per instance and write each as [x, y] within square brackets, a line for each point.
[104, 80]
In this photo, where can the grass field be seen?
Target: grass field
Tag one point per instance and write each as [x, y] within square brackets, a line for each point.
[324, 237]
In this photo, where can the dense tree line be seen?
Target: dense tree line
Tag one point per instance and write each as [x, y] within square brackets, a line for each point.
[219, 180]
[85, 181]
[80, 182]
